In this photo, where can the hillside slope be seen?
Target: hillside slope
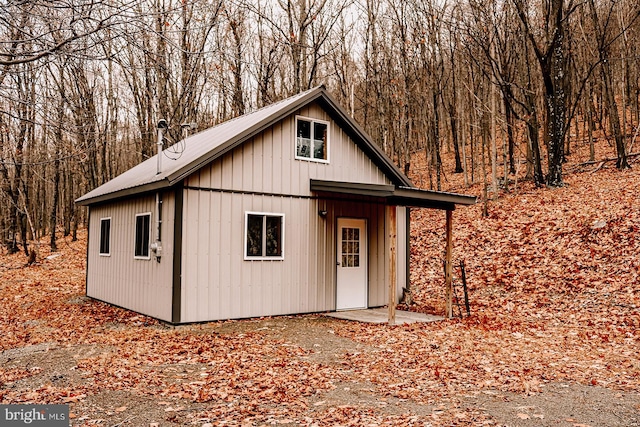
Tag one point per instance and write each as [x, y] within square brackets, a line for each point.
[542, 252]
[554, 286]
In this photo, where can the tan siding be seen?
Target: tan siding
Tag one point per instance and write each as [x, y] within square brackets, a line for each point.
[290, 167]
[267, 162]
[190, 236]
[276, 171]
[219, 284]
[259, 155]
[237, 157]
[224, 285]
[141, 285]
[374, 214]
[202, 244]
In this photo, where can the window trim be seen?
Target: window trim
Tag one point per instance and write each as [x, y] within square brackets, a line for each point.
[248, 257]
[295, 139]
[135, 235]
[105, 254]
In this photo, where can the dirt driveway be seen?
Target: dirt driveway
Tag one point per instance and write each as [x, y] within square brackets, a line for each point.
[347, 397]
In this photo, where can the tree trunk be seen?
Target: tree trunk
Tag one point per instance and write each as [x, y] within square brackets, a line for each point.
[555, 103]
[613, 115]
[53, 218]
[553, 68]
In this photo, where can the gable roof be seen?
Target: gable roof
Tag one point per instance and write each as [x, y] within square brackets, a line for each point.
[206, 146]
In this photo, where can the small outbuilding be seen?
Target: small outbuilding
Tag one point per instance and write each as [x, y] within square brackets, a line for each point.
[288, 209]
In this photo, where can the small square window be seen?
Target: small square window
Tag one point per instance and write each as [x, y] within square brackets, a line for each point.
[312, 140]
[143, 225]
[105, 236]
[264, 236]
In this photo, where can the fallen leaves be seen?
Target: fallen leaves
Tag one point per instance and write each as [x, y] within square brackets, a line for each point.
[555, 294]
[9, 376]
[74, 398]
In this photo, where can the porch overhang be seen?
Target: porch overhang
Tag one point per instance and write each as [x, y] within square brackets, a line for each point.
[397, 196]
[393, 196]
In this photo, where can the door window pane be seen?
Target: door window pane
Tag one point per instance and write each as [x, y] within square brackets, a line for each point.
[350, 247]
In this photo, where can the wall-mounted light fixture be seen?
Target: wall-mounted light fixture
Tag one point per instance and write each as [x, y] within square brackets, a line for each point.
[323, 214]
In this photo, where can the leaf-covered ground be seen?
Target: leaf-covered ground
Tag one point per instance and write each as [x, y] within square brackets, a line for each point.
[554, 286]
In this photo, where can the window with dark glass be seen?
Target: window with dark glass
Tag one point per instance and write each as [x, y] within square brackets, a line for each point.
[143, 224]
[105, 236]
[264, 236]
[311, 139]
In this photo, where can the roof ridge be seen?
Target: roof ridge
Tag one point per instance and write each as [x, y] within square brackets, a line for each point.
[281, 101]
[219, 139]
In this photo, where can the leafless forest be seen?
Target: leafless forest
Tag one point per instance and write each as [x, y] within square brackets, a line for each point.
[511, 87]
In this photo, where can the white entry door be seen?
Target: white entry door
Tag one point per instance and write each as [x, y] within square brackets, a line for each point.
[351, 264]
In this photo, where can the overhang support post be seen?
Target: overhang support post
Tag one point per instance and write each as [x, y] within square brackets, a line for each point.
[392, 221]
[448, 284]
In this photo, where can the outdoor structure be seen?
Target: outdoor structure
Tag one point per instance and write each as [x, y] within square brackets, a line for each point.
[288, 209]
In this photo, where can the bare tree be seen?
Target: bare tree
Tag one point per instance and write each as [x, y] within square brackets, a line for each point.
[506, 57]
[606, 34]
[550, 49]
[41, 28]
[83, 84]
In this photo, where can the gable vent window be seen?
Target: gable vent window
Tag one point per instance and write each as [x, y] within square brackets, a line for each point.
[143, 224]
[264, 236]
[105, 236]
[312, 139]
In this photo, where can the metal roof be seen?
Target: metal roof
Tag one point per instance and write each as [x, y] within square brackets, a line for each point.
[206, 146]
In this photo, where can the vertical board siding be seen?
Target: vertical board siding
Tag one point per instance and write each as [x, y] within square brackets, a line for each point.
[144, 286]
[267, 163]
[225, 285]
[260, 175]
[217, 283]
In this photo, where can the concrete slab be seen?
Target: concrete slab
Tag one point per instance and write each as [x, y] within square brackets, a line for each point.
[381, 315]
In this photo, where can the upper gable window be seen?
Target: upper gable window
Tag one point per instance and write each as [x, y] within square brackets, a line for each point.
[312, 139]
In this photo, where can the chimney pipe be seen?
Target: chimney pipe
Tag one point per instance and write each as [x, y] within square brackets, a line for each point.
[162, 125]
